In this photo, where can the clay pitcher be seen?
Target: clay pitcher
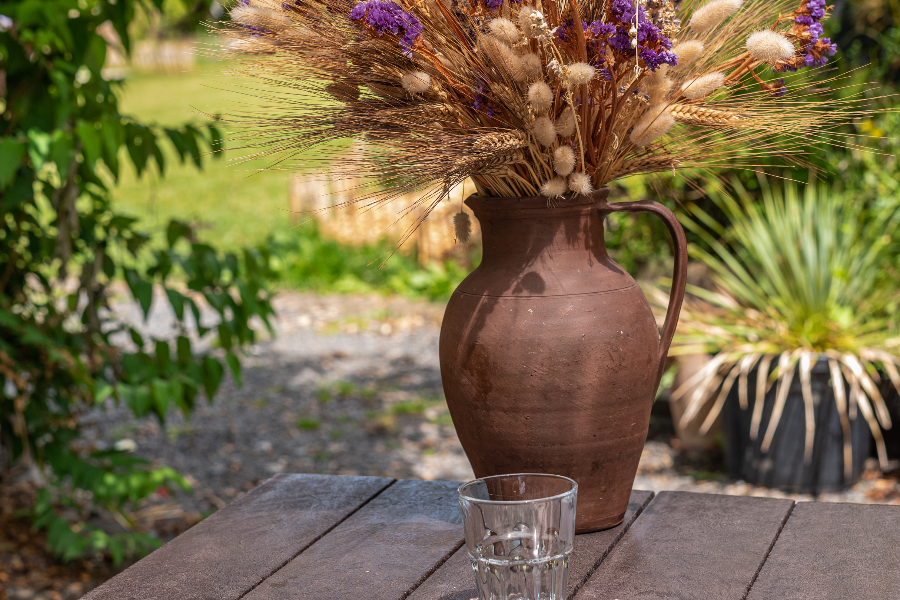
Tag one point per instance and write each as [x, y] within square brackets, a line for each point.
[550, 355]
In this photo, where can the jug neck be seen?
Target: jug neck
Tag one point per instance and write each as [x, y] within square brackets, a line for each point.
[527, 227]
[531, 248]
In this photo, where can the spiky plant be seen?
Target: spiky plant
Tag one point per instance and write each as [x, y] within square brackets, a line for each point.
[443, 90]
[798, 278]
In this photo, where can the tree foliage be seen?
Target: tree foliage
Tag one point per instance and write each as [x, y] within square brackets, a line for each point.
[63, 349]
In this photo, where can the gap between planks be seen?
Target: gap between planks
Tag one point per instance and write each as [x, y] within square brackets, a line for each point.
[599, 561]
[769, 550]
[437, 565]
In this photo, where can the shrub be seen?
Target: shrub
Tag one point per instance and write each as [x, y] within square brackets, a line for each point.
[62, 244]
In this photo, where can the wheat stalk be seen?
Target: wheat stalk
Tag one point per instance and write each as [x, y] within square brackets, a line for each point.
[692, 114]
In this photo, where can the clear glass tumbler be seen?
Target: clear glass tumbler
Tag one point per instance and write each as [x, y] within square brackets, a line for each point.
[519, 534]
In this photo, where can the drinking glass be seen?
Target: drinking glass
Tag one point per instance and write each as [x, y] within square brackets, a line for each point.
[519, 534]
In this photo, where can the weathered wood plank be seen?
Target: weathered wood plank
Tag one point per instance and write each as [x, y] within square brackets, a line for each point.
[454, 580]
[592, 548]
[381, 552]
[224, 556]
[686, 545]
[834, 551]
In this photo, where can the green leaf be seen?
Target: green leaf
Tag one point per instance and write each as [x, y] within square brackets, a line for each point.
[20, 192]
[139, 149]
[11, 154]
[177, 230]
[184, 350]
[216, 142]
[177, 302]
[136, 337]
[139, 367]
[137, 398]
[109, 267]
[117, 549]
[235, 366]
[162, 395]
[62, 152]
[178, 140]
[225, 338]
[195, 310]
[141, 289]
[103, 392]
[38, 147]
[158, 157]
[212, 376]
[163, 356]
[112, 135]
[191, 135]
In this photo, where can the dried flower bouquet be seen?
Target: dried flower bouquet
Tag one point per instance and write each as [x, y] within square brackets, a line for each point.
[532, 97]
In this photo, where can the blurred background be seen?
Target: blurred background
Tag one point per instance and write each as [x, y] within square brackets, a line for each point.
[175, 329]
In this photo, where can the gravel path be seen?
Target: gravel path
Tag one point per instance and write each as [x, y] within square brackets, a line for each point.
[351, 386]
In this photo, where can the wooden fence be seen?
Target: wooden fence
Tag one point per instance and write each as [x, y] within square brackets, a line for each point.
[313, 196]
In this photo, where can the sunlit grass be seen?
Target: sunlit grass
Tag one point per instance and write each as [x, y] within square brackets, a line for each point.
[232, 204]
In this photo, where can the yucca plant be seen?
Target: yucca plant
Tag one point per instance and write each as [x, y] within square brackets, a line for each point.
[798, 276]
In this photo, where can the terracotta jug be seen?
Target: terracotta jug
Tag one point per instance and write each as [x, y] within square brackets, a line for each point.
[550, 355]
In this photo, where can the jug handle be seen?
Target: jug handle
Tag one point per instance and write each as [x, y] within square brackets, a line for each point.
[679, 275]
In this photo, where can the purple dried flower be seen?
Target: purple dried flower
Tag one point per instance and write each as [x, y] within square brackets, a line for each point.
[482, 102]
[654, 59]
[599, 28]
[653, 47]
[815, 30]
[386, 17]
[781, 88]
[807, 22]
[816, 9]
[621, 42]
[563, 30]
[623, 10]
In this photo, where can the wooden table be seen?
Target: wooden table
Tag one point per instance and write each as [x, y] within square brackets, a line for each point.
[323, 537]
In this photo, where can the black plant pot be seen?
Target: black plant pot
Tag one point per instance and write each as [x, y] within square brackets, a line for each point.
[783, 466]
[892, 435]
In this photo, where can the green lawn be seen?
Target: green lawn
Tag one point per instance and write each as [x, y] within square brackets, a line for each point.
[232, 204]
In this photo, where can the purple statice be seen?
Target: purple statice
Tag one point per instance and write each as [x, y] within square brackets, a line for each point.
[562, 32]
[815, 32]
[653, 47]
[777, 87]
[482, 103]
[807, 22]
[597, 37]
[817, 54]
[386, 17]
[623, 10]
[816, 9]
[492, 4]
[599, 28]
